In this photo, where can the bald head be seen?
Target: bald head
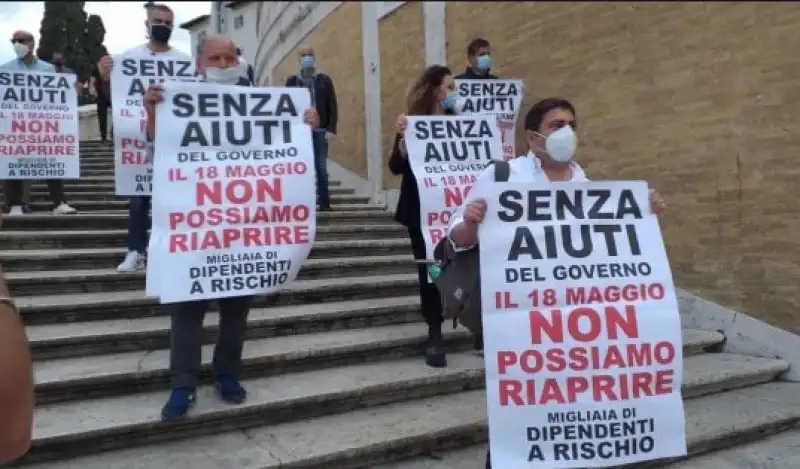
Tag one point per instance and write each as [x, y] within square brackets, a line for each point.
[23, 43]
[306, 54]
[217, 51]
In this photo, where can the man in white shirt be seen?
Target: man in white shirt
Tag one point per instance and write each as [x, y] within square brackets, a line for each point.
[550, 133]
[160, 22]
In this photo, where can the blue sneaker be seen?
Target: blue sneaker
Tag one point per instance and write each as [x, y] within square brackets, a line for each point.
[178, 404]
[229, 389]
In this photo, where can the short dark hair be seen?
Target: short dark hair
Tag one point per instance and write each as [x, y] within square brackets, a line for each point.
[476, 45]
[535, 116]
[160, 7]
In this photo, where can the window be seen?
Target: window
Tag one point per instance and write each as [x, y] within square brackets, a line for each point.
[222, 25]
[238, 22]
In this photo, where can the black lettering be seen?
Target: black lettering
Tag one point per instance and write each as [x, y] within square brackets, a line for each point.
[511, 202]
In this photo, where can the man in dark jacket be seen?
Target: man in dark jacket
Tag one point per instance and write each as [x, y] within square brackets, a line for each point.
[480, 61]
[323, 98]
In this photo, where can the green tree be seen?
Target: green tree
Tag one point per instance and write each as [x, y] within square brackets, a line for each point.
[64, 29]
[93, 40]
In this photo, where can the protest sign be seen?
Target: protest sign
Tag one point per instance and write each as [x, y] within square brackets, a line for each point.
[134, 71]
[446, 154]
[235, 206]
[500, 98]
[38, 125]
[582, 335]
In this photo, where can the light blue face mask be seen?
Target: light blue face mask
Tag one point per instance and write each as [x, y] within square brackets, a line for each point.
[307, 61]
[449, 101]
[484, 62]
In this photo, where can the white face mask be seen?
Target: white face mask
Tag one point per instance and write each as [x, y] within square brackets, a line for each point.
[561, 144]
[20, 49]
[223, 76]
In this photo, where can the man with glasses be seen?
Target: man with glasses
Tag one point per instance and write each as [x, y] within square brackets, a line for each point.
[16, 192]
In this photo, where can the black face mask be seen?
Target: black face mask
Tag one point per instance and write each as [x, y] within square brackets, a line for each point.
[58, 62]
[160, 33]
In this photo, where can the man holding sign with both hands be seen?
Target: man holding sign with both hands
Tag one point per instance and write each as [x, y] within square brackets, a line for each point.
[219, 64]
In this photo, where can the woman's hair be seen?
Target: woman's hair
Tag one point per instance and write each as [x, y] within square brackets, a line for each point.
[422, 96]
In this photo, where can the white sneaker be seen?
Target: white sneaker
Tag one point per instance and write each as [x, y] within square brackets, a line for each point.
[16, 210]
[64, 209]
[134, 261]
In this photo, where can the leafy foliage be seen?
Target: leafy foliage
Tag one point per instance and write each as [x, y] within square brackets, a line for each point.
[65, 28]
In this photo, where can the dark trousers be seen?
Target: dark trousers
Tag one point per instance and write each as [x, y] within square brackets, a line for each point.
[321, 166]
[488, 460]
[102, 119]
[17, 192]
[428, 294]
[138, 223]
[186, 339]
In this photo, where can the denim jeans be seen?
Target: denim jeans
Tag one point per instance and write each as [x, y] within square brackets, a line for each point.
[138, 223]
[320, 140]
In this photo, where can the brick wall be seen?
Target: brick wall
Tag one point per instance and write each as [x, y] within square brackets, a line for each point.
[700, 99]
[338, 49]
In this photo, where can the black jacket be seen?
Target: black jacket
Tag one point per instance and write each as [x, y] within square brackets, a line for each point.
[407, 213]
[469, 74]
[325, 99]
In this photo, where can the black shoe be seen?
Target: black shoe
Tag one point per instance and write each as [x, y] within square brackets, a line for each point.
[434, 351]
[478, 344]
[325, 208]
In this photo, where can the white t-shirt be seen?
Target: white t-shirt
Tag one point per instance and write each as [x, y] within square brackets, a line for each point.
[526, 168]
[170, 53]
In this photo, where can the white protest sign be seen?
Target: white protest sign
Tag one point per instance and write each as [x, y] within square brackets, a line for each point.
[38, 125]
[500, 98]
[235, 207]
[133, 72]
[446, 154]
[582, 335]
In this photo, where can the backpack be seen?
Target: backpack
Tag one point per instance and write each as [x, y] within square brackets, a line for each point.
[459, 277]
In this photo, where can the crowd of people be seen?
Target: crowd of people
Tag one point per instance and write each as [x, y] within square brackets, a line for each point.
[549, 129]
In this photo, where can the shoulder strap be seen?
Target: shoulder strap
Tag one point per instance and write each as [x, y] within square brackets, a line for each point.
[502, 171]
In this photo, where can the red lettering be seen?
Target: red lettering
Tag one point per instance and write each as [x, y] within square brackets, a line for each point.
[238, 191]
[240, 237]
[35, 126]
[610, 322]
[454, 196]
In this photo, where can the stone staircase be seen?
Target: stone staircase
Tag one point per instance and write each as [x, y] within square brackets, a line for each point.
[331, 364]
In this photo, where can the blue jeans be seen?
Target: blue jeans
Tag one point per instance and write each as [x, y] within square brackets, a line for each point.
[138, 223]
[320, 141]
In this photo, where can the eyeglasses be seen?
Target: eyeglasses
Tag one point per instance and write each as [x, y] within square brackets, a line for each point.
[19, 41]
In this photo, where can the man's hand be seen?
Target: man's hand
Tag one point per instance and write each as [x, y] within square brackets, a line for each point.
[311, 117]
[153, 97]
[475, 211]
[104, 66]
[657, 204]
[400, 125]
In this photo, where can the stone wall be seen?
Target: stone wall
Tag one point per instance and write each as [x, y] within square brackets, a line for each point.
[338, 49]
[699, 99]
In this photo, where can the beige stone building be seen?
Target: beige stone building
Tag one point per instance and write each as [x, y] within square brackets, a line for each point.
[700, 99]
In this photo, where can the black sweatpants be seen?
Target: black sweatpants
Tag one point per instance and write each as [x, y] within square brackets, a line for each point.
[428, 294]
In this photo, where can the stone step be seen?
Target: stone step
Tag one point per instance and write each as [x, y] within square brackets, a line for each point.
[105, 191]
[110, 179]
[781, 451]
[19, 260]
[50, 309]
[338, 195]
[122, 204]
[289, 428]
[111, 335]
[61, 282]
[77, 379]
[119, 219]
[118, 238]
